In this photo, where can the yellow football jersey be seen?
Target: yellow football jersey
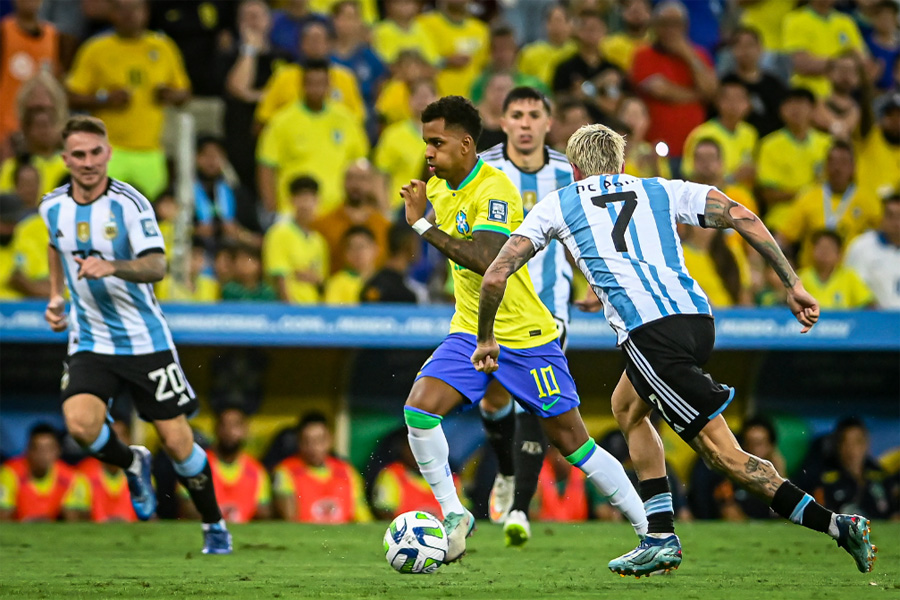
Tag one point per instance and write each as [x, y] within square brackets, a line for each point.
[860, 211]
[52, 171]
[7, 268]
[107, 62]
[878, 163]
[287, 249]
[393, 102]
[344, 287]
[823, 37]
[540, 59]
[285, 87]
[766, 16]
[843, 290]
[738, 146]
[619, 49]
[488, 201]
[401, 154]
[389, 40]
[702, 269]
[470, 38]
[30, 241]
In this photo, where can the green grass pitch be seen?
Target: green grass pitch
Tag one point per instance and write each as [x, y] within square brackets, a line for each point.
[278, 560]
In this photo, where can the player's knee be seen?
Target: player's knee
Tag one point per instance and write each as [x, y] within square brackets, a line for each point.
[83, 428]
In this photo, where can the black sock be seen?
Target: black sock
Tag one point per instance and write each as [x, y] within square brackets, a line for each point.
[528, 453]
[203, 494]
[797, 506]
[500, 435]
[657, 499]
[110, 449]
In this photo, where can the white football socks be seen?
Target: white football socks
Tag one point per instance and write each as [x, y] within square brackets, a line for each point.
[609, 476]
[430, 448]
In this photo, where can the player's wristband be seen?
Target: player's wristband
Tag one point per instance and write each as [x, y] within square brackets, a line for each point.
[422, 225]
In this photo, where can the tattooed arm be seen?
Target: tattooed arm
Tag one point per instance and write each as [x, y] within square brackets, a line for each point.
[722, 212]
[475, 254]
[514, 254]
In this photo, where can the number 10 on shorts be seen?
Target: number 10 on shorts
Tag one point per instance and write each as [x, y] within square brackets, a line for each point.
[549, 387]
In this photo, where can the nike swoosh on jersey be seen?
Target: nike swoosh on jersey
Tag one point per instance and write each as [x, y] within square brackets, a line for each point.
[549, 406]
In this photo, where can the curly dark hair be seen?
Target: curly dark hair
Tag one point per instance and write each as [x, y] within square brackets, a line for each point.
[456, 111]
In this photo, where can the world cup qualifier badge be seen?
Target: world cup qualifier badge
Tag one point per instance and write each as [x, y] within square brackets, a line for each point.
[462, 223]
[498, 211]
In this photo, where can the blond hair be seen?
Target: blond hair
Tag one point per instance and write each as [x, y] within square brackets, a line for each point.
[596, 150]
[43, 79]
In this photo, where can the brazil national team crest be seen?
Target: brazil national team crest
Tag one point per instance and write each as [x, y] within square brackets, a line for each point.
[498, 211]
[462, 223]
[110, 229]
[83, 231]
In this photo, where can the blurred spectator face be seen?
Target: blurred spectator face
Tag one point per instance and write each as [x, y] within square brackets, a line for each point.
[455, 5]
[305, 204]
[707, 163]
[733, 103]
[839, 168]
[348, 23]
[296, 8]
[210, 161]
[885, 21]
[316, 84]
[28, 185]
[130, 17]
[826, 254]
[559, 25]
[421, 96]
[231, 431]
[589, 30]
[247, 267]
[890, 123]
[411, 67]
[796, 113]
[757, 442]
[568, 122]
[499, 86]
[526, 124]
[358, 184]
[198, 261]
[890, 220]
[360, 253]
[670, 26]
[633, 112]
[314, 444]
[401, 10]
[853, 447]
[27, 9]
[503, 52]
[224, 265]
[40, 131]
[166, 208]
[254, 15]
[822, 5]
[609, 83]
[636, 15]
[43, 450]
[315, 44]
[844, 75]
[747, 50]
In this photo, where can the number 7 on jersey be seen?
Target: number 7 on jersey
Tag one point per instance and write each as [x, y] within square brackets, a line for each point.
[624, 218]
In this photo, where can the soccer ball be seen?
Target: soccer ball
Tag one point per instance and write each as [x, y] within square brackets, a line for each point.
[416, 542]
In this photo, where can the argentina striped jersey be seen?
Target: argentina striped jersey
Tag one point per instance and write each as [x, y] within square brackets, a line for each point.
[107, 315]
[550, 272]
[621, 230]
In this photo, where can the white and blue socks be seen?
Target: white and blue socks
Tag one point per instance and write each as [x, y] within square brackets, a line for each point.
[609, 476]
[429, 445]
[196, 477]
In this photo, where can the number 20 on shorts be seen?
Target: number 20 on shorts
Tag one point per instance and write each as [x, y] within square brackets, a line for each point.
[546, 382]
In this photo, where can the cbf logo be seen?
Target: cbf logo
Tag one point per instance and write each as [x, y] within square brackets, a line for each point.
[462, 223]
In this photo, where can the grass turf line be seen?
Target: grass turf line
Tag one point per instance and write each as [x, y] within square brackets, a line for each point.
[278, 560]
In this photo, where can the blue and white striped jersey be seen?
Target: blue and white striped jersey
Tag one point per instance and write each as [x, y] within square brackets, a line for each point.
[621, 231]
[108, 315]
[550, 272]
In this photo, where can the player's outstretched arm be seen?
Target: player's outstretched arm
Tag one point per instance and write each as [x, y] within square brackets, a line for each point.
[514, 254]
[148, 268]
[55, 314]
[723, 212]
[475, 254]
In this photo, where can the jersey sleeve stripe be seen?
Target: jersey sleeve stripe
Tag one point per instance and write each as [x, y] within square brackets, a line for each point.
[132, 194]
[494, 228]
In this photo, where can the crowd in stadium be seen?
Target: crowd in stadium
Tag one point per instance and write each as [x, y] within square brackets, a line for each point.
[301, 479]
[307, 117]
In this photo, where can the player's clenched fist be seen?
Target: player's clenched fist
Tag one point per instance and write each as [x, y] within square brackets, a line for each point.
[415, 200]
[485, 356]
[94, 268]
[55, 314]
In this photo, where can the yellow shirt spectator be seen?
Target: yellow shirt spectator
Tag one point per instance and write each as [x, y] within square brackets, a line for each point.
[368, 8]
[843, 290]
[540, 59]
[878, 163]
[401, 154]
[766, 17]
[52, 171]
[285, 87]
[393, 102]
[852, 213]
[389, 40]
[619, 49]
[786, 163]
[30, 241]
[289, 251]
[470, 37]
[205, 290]
[344, 287]
[738, 146]
[701, 267]
[7, 268]
[108, 62]
[739, 194]
[805, 30]
[320, 144]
